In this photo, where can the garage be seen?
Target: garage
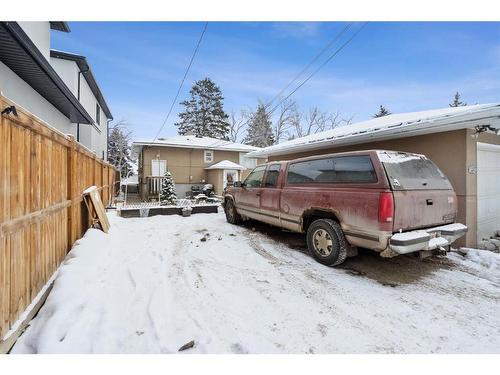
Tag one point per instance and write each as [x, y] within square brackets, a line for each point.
[488, 189]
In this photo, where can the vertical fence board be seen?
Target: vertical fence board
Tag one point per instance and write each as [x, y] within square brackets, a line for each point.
[4, 170]
[4, 284]
[42, 175]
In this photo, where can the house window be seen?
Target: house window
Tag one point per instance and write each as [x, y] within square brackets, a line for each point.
[208, 156]
[158, 167]
[97, 114]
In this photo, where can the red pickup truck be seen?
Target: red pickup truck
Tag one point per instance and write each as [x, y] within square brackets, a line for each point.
[391, 202]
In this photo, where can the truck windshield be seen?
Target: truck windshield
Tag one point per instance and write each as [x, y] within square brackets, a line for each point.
[413, 172]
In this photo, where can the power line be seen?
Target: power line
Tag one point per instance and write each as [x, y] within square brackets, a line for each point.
[326, 48]
[182, 82]
[318, 69]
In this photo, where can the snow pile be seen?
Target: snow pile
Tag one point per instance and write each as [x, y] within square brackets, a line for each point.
[89, 190]
[30, 307]
[397, 157]
[487, 262]
[153, 285]
[132, 180]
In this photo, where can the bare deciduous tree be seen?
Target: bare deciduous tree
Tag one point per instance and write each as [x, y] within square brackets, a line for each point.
[315, 121]
[237, 124]
[333, 120]
[286, 116]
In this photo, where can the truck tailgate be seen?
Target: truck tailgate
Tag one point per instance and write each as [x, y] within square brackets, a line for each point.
[423, 195]
[423, 208]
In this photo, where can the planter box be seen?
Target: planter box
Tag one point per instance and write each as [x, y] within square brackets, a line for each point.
[154, 211]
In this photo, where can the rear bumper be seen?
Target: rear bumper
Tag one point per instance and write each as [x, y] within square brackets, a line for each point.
[426, 239]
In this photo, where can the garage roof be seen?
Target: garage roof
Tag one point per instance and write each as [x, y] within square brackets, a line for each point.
[18, 52]
[388, 127]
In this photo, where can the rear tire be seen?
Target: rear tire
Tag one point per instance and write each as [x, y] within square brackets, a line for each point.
[231, 215]
[326, 242]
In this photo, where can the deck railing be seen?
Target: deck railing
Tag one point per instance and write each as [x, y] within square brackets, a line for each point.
[153, 184]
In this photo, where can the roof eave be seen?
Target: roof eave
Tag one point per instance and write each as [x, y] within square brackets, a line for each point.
[60, 26]
[154, 144]
[84, 67]
[18, 52]
[462, 121]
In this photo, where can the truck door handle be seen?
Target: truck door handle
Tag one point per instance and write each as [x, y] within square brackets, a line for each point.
[258, 194]
[429, 202]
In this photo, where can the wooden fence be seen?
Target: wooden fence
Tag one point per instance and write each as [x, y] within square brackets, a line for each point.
[42, 175]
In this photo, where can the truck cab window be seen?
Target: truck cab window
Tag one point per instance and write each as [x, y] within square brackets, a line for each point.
[271, 179]
[254, 179]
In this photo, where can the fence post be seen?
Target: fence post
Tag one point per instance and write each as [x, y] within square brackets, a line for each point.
[102, 166]
[71, 174]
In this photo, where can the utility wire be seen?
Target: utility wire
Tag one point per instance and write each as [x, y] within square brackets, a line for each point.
[319, 68]
[326, 48]
[182, 82]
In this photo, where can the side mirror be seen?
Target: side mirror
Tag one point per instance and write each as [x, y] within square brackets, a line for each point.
[237, 184]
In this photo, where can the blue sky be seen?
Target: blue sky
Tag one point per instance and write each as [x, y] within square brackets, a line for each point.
[404, 66]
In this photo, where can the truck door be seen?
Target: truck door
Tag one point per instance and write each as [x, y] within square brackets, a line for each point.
[270, 195]
[248, 200]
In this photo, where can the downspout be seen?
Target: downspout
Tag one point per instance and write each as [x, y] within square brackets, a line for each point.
[142, 178]
[107, 138]
[190, 176]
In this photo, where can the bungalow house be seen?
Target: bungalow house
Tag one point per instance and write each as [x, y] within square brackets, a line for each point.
[464, 142]
[57, 87]
[192, 161]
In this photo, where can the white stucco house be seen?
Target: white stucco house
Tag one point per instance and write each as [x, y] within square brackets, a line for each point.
[58, 87]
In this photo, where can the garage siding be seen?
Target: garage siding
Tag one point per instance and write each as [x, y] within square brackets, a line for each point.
[488, 190]
[473, 180]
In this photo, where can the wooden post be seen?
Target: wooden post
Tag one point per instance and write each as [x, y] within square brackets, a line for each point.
[71, 187]
[103, 199]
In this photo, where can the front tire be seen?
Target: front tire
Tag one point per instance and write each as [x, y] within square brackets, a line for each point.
[231, 215]
[326, 242]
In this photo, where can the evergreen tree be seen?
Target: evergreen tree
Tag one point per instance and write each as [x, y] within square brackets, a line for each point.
[382, 112]
[167, 192]
[204, 115]
[260, 132]
[456, 101]
[119, 149]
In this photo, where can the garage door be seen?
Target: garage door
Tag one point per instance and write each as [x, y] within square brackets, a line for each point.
[488, 189]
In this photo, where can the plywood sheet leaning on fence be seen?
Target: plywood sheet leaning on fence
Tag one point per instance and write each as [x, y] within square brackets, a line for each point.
[97, 213]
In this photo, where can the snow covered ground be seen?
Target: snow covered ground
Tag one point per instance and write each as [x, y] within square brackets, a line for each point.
[151, 285]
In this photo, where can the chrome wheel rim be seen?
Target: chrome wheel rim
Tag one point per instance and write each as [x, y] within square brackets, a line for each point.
[322, 242]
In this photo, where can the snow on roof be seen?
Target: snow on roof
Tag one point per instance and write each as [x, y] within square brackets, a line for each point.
[191, 141]
[226, 164]
[392, 126]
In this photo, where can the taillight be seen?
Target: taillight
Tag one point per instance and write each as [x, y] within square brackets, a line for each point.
[386, 208]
